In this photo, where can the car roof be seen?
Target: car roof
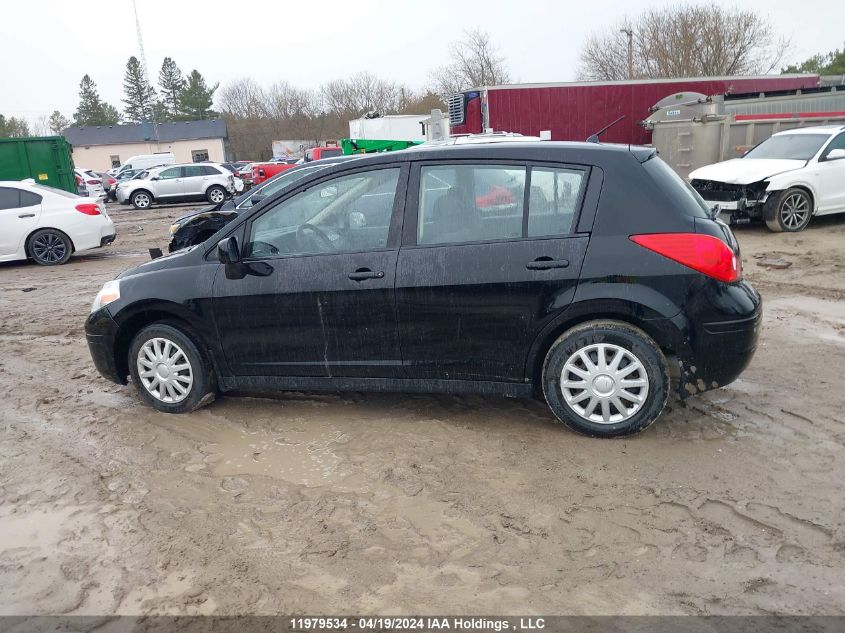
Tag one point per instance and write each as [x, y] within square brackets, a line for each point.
[816, 129]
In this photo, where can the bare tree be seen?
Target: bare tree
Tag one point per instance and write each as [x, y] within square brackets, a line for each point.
[362, 93]
[475, 63]
[242, 98]
[685, 41]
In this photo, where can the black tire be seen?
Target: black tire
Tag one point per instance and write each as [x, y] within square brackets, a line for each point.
[215, 191]
[49, 247]
[790, 211]
[141, 199]
[639, 346]
[202, 388]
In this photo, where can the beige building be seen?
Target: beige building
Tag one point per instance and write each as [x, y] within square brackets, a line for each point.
[106, 146]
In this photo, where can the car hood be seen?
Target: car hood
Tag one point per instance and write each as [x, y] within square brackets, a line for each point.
[744, 171]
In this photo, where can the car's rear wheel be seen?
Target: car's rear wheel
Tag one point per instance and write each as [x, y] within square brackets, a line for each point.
[215, 194]
[605, 379]
[49, 247]
[141, 199]
[791, 211]
[168, 369]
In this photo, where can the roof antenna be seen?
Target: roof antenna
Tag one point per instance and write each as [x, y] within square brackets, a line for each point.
[594, 138]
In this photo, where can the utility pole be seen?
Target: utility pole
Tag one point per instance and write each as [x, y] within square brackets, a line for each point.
[630, 33]
[144, 70]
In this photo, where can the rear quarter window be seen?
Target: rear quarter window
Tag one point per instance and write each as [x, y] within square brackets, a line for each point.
[683, 196]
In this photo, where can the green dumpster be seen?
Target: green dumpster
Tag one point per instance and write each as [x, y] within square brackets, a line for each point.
[45, 159]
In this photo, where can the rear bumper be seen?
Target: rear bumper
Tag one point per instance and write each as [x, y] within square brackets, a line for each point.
[723, 342]
[101, 334]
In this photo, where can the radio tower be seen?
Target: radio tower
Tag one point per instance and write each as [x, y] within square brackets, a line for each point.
[144, 68]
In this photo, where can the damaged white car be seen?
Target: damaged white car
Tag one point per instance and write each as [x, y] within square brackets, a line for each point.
[785, 180]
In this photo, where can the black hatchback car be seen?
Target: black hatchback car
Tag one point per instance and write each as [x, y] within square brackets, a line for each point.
[578, 271]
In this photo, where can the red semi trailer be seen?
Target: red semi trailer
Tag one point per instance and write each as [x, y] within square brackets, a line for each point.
[574, 111]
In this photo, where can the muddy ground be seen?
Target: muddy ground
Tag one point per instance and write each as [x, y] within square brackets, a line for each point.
[362, 503]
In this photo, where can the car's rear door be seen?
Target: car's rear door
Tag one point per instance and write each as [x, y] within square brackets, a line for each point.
[489, 256]
[19, 211]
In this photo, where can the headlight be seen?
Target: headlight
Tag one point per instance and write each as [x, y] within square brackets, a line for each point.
[108, 293]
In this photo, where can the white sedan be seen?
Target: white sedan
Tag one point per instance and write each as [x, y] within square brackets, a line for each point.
[785, 180]
[49, 224]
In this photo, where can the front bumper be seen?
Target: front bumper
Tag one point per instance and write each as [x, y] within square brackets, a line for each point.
[101, 334]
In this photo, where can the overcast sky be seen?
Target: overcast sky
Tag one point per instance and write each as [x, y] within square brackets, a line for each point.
[46, 47]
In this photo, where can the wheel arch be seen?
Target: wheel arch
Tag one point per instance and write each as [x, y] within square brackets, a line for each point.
[28, 238]
[667, 333]
[777, 188]
[130, 324]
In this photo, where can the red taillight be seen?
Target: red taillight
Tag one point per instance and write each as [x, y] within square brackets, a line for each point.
[706, 254]
[88, 208]
[93, 182]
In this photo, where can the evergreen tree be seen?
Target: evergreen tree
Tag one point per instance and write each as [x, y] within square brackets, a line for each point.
[196, 99]
[13, 127]
[140, 95]
[91, 109]
[58, 122]
[172, 84]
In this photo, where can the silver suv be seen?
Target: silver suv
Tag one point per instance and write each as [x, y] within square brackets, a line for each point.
[176, 183]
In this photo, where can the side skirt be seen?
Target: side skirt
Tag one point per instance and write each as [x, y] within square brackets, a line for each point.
[295, 383]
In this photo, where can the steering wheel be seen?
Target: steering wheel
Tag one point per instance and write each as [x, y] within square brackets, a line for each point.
[263, 249]
[318, 233]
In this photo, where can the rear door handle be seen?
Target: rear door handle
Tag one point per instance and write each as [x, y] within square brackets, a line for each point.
[26, 215]
[547, 263]
[365, 273]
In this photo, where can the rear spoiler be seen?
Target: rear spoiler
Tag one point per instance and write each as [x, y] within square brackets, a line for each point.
[642, 154]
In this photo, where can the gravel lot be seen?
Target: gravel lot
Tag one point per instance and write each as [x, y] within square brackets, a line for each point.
[363, 503]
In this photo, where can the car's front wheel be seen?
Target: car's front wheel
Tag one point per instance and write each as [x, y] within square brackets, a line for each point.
[791, 211]
[215, 194]
[141, 200]
[605, 379]
[49, 247]
[168, 369]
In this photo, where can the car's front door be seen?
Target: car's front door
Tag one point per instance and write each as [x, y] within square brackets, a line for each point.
[832, 178]
[170, 183]
[19, 211]
[318, 298]
[488, 257]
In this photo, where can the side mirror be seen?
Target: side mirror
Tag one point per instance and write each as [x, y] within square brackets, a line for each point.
[228, 252]
[154, 178]
[835, 154]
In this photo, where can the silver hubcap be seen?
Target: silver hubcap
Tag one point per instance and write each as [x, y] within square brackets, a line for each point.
[604, 383]
[142, 200]
[794, 211]
[165, 370]
[216, 195]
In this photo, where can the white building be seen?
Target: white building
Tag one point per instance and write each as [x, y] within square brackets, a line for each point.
[105, 146]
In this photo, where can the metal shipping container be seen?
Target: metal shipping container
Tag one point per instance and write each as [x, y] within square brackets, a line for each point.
[574, 111]
[45, 159]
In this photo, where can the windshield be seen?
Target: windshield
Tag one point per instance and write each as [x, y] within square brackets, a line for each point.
[789, 147]
[278, 183]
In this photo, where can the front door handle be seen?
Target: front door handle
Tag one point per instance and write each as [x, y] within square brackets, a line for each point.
[26, 215]
[365, 273]
[547, 263]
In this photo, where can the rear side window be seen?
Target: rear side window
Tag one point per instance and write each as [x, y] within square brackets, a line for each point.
[470, 203]
[684, 197]
[29, 199]
[9, 198]
[192, 171]
[553, 201]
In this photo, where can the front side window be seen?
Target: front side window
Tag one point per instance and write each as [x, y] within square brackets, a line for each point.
[169, 174]
[347, 214]
[470, 203]
[837, 143]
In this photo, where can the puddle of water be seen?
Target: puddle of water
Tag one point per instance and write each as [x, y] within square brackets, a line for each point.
[299, 455]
